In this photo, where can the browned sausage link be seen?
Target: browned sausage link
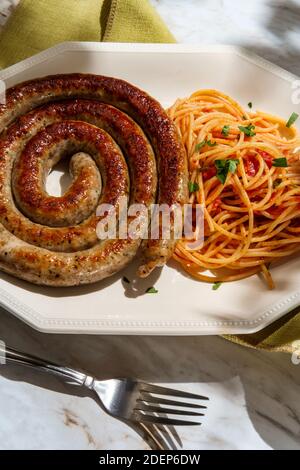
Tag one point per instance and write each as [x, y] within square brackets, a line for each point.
[40, 264]
[39, 157]
[144, 109]
[129, 137]
[112, 166]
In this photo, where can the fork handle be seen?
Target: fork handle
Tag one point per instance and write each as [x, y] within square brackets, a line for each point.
[17, 357]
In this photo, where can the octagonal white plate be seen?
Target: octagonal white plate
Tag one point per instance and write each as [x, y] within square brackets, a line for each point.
[182, 306]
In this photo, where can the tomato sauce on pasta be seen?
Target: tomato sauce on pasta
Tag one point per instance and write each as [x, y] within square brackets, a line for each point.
[244, 168]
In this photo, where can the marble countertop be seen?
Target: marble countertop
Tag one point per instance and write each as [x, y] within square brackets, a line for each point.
[254, 395]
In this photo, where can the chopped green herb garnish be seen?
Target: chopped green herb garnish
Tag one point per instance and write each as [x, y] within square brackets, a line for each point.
[248, 130]
[151, 290]
[193, 187]
[216, 285]
[280, 162]
[276, 183]
[250, 104]
[225, 130]
[125, 279]
[232, 165]
[199, 146]
[224, 167]
[293, 117]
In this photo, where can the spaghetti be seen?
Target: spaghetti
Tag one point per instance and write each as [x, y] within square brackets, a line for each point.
[244, 168]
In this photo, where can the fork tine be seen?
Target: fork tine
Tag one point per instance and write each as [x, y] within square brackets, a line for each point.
[164, 421]
[170, 411]
[163, 401]
[169, 391]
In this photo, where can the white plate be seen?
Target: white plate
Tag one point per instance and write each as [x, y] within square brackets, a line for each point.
[182, 306]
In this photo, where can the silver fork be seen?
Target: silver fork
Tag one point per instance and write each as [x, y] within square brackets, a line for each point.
[127, 399]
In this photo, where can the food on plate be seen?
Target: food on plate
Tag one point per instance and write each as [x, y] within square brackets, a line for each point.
[102, 123]
[244, 168]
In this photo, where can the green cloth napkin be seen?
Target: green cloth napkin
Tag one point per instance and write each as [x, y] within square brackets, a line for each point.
[39, 24]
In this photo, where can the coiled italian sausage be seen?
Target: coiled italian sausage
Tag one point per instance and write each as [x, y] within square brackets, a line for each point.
[121, 143]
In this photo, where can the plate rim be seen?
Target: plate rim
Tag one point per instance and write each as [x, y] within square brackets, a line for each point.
[57, 325]
[145, 47]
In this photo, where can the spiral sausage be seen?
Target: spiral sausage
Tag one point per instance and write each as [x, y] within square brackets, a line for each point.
[104, 125]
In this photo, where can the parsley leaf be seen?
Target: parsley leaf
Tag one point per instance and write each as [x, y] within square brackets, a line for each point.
[199, 146]
[250, 104]
[248, 130]
[224, 167]
[193, 187]
[151, 290]
[225, 130]
[232, 165]
[280, 162]
[293, 117]
[216, 285]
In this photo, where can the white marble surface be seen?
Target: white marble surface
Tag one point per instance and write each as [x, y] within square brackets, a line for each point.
[254, 395]
[271, 28]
